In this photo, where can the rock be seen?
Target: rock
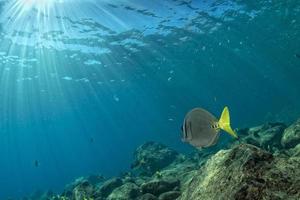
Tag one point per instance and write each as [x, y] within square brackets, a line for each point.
[147, 196]
[172, 195]
[157, 187]
[125, 192]
[82, 187]
[267, 136]
[245, 173]
[83, 191]
[291, 135]
[294, 152]
[151, 157]
[107, 187]
[95, 179]
[68, 191]
[183, 168]
[139, 180]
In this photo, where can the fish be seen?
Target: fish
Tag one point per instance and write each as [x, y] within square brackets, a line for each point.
[202, 129]
[92, 140]
[297, 55]
[36, 163]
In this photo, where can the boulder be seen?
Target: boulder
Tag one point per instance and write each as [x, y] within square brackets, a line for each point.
[183, 168]
[83, 191]
[291, 135]
[107, 187]
[245, 172]
[147, 196]
[293, 152]
[68, 191]
[171, 195]
[267, 136]
[151, 157]
[157, 187]
[127, 191]
[95, 179]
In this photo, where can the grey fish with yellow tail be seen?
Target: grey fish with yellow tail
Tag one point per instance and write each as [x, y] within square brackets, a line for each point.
[201, 128]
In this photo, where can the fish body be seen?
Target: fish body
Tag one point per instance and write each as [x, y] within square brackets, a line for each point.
[202, 129]
[36, 163]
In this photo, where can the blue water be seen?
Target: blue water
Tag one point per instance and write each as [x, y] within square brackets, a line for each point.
[83, 83]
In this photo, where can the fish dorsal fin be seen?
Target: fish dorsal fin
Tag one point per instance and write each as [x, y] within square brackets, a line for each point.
[224, 122]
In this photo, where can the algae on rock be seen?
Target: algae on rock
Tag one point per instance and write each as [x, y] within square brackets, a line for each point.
[245, 172]
[151, 157]
[291, 135]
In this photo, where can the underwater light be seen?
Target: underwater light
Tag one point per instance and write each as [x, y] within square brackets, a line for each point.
[20, 9]
[38, 4]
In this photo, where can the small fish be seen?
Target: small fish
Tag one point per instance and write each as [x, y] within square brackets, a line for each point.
[92, 140]
[201, 129]
[36, 163]
[297, 55]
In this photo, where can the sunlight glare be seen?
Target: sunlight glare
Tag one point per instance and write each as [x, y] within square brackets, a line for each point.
[39, 4]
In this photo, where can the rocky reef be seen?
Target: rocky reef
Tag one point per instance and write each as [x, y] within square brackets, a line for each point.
[263, 164]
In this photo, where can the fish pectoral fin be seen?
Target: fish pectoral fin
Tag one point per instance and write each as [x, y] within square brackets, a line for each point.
[224, 123]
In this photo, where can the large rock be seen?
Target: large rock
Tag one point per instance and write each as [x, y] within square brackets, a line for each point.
[291, 135]
[95, 179]
[157, 187]
[127, 191]
[151, 157]
[267, 136]
[68, 191]
[171, 195]
[83, 191]
[147, 196]
[294, 152]
[245, 173]
[107, 187]
[183, 168]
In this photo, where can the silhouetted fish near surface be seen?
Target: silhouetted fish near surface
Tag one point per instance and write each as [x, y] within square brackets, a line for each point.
[201, 128]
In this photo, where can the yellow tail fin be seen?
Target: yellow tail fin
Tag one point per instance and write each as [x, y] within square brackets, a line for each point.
[224, 122]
